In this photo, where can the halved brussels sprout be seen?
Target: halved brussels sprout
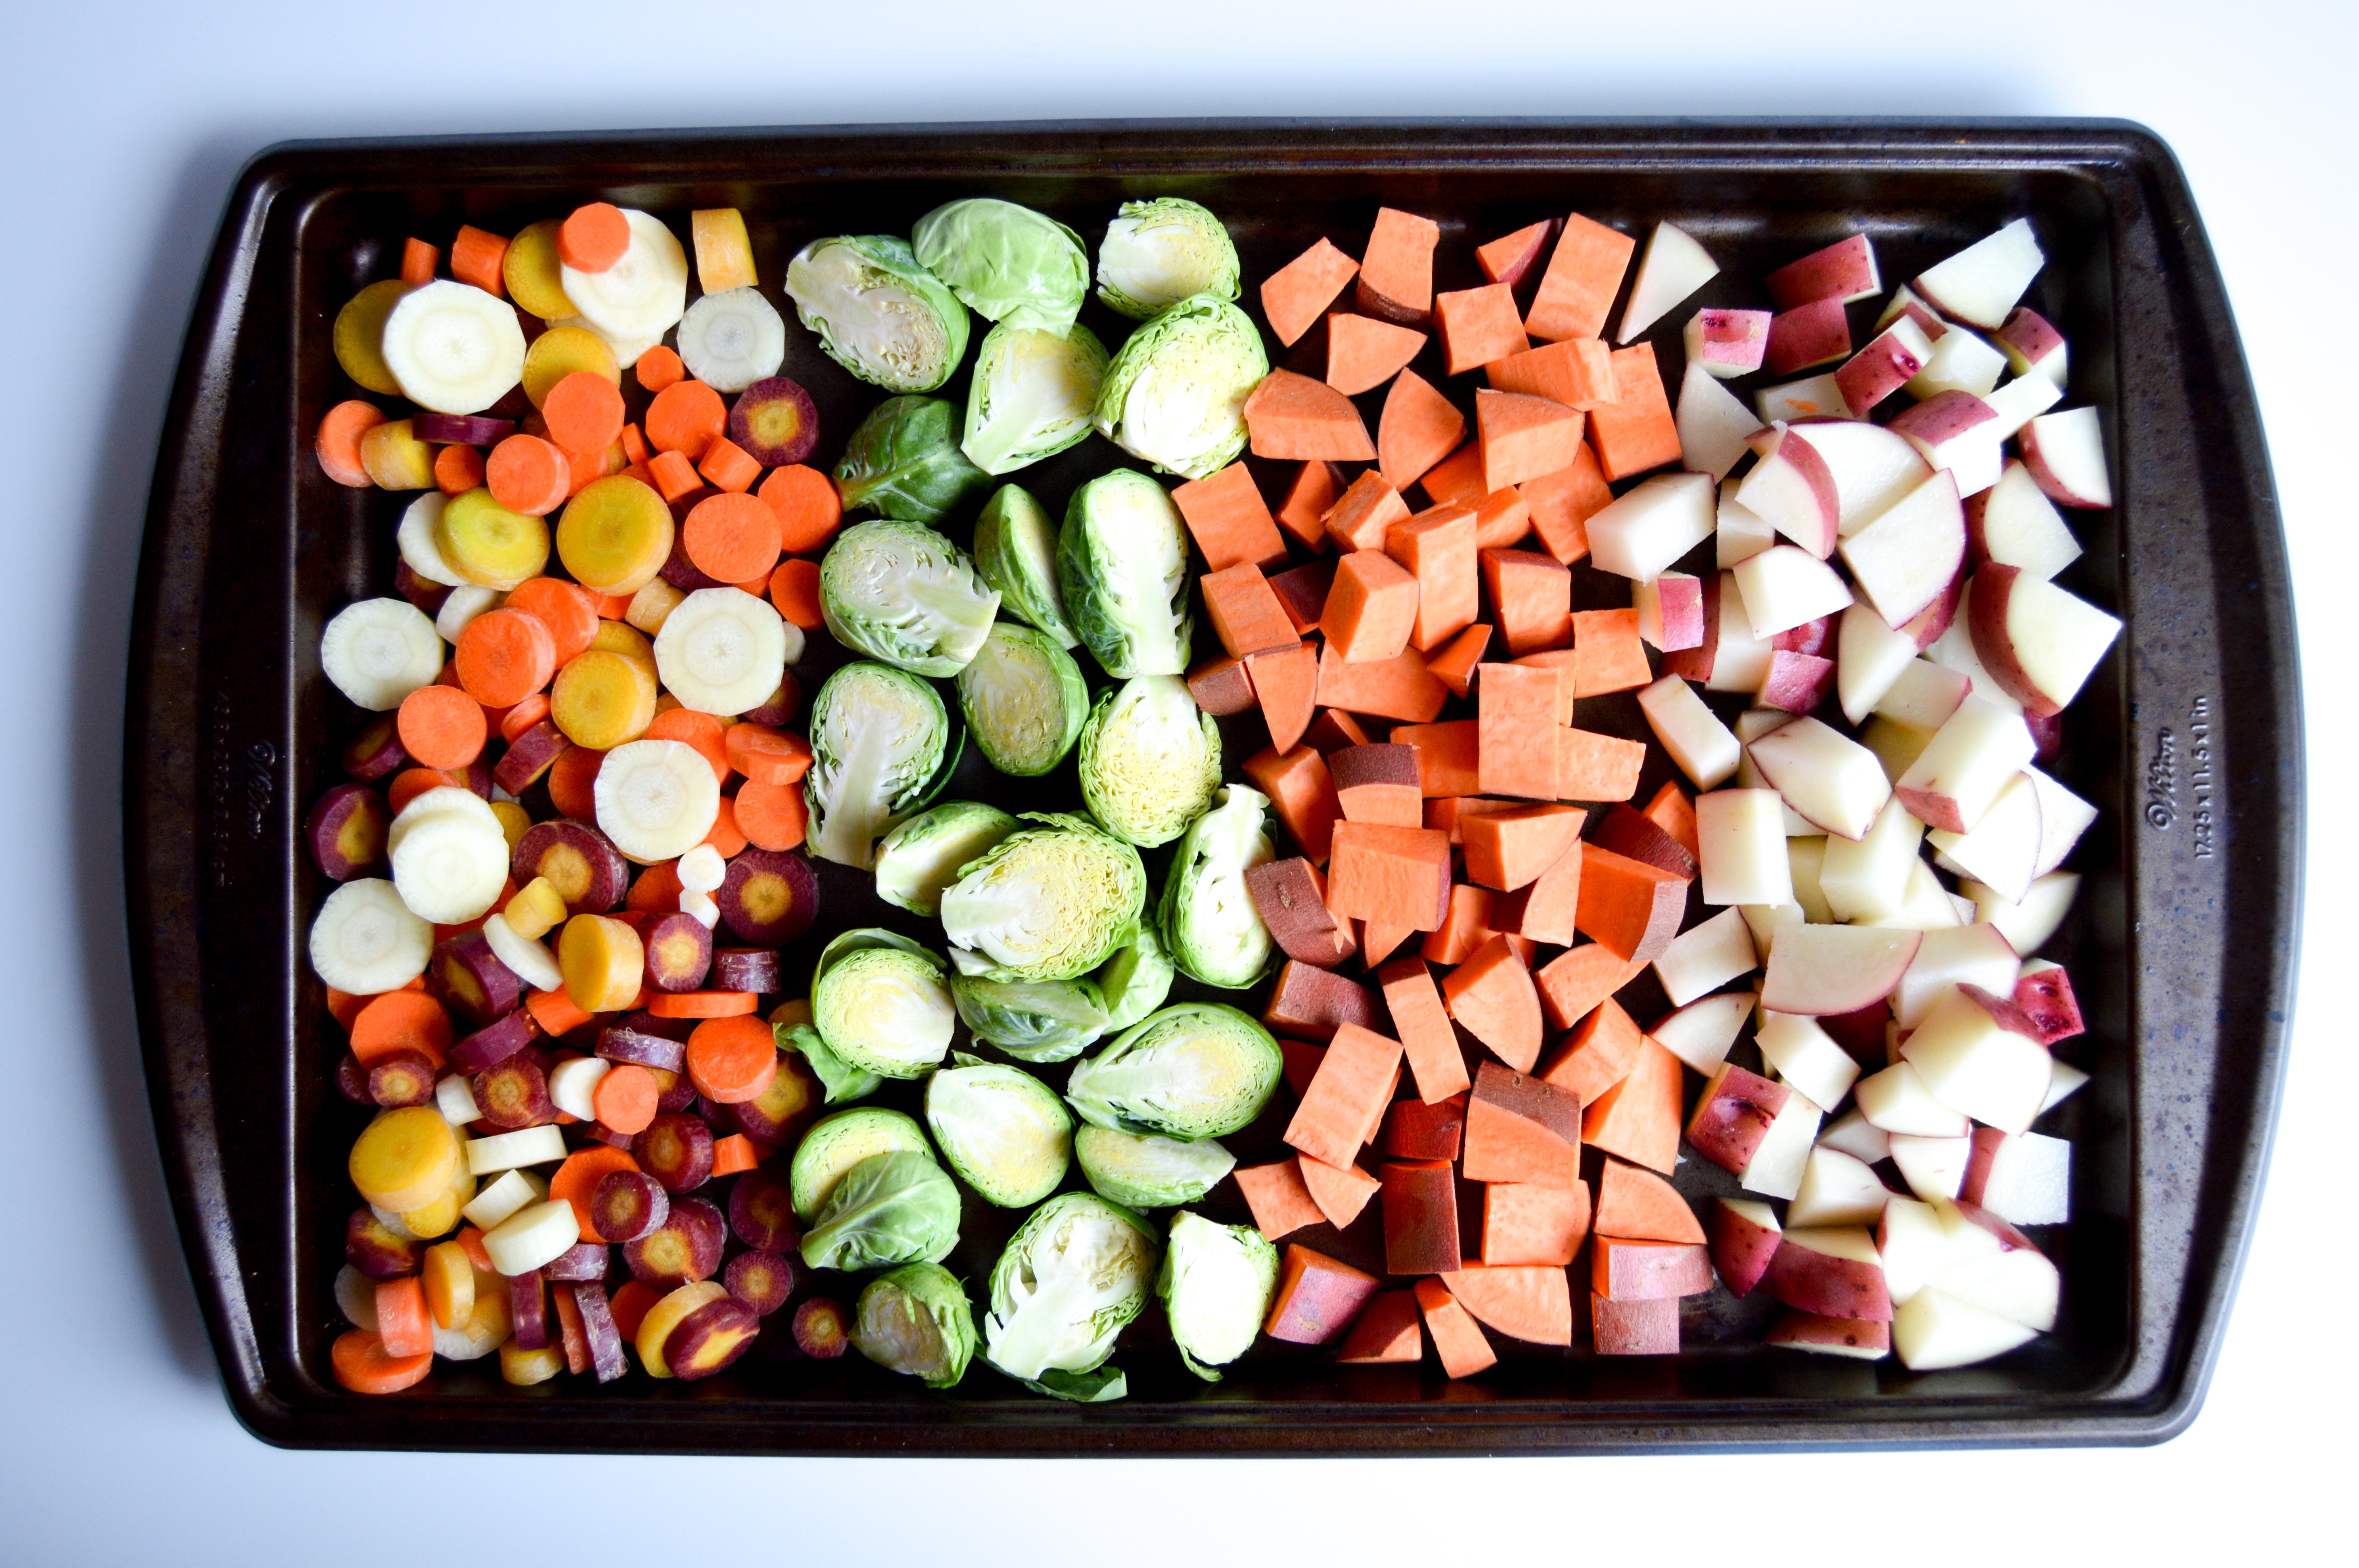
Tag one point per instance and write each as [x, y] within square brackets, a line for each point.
[1215, 1283]
[924, 855]
[836, 1143]
[1010, 264]
[1135, 980]
[914, 1320]
[1023, 700]
[890, 1208]
[1122, 575]
[1032, 395]
[1016, 551]
[1002, 1130]
[1032, 1021]
[877, 311]
[1156, 253]
[900, 592]
[840, 1078]
[880, 742]
[1048, 902]
[1074, 1273]
[882, 1003]
[1145, 1171]
[1207, 919]
[1151, 760]
[1196, 1069]
[904, 462]
[1175, 395]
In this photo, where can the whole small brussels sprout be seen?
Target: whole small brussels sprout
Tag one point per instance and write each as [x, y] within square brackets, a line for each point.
[877, 311]
[914, 1320]
[1158, 252]
[1135, 981]
[1008, 263]
[889, 1208]
[922, 857]
[1002, 1131]
[1122, 575]
[1151, 760]
[1032, 1021]
[840, 1078]
[1033, 394]
[1051, 903]
[1016, 551]
[902, 593]
[1216, 1283]
[1175, 394]
[1209, 923]
[836, 1143]
[881, 745]
[883, 1003]
[903, 461]
[1074, 1273]
[1145, 1170]
[1196, 1069]
[1023, 700]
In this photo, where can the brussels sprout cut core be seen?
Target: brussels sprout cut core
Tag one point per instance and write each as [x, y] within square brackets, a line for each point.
[1073, 1274]
[1004, 1131]
[1051, 903]
[900, 592]
[1023, 700]
[1196, 1069]
[1032, 395]
[1216, 1283]
[1175, 395]
[878, 312]
[1156, 253]
[1151, 760]
[879, 740]
[881, 1002]
[914, 1320]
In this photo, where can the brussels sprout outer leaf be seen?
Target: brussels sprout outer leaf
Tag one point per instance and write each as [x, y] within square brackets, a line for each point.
[1135, 981]
[922, 857]
[1007, 263]
[1155, 252]
[903, 462]
[1081, 1388]
[915, 1319]
[892, 1208]
[1016, 550]
[1032, 1021]
[840, 1078]
[1147, 1170]
[1209, 922]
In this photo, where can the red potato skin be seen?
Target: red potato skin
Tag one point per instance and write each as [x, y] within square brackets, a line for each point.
[1803, 1330]
[1733, 1117]
[2048, 1003]
[1695, 663]
[1813, 334]
[1809, 637]
[1844, 270]
[1988, 600]
[1861, 1034]
[1827, 1286]
[1811, 466]
[1681, 600]
[1741, 1251]
[1798, 683]
[1875, 372]
[1935, 618]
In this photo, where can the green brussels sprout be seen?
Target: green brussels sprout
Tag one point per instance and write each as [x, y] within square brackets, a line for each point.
[1002, 1130]
[1156, 253]
[1074, 1273]
[890, 1208]
[902, 593]
[1216, 1283]
[877, 311]
[904, 462]
[1049, 902]
[1032, 1021]
[1196, 1069]
[1122, 575]
[1023, 700]
[1135, 980]
[1143, 1171]
[922, 857]
[882, 1003]
[1151, 760]
[1007, 263]
[1016, 551]
[881, 746]
[1207, 918]
[837, 1142]
[1175, 395]
[1032, 395]
[914, 1320]
[840, 1078]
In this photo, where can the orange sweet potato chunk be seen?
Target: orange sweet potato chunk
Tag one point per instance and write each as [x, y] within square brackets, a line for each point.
[1346, 1102]
[1396, 876]
[1632, 908]
[1457, 1338]
[1523, 437]
[1545, 909]
[1246, 612]
[1643, 1207]
[1317, 1298]
[1507, 850]
[1362, 353]
[1590, 766]
[1520, 1128]
[1302, 793]
[1437, 546]
[1291, 415]
[1340, 1191]
[1600, 1054]
[1638, 1118]
[1302, 514]
[1492, 996]
[1399, 688]
[1478, 326]
[1532, 596]
[1453, 664]
[1456, 479]
[1577, 372]
[1280, 1203]
[1397, 269]
[1573, 982]
[1527, 1224]
[1527, 1301]
[1386, 1331]
[1637, 432]
[1562, 503]
[1417, 428]
[1582, 277]
[1363, 514]
[1611, 656]
[1371, 610]
[1427, 1038]
[1229, 521]
[1293, 296]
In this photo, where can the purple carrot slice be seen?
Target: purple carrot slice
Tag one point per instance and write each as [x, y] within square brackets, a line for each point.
[346, 831]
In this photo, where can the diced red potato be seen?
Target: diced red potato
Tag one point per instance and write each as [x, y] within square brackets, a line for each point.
[1745, 1236]
[1831, 1272]
[1850, 1337]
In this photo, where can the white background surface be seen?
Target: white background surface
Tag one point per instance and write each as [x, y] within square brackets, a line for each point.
[115, 1436]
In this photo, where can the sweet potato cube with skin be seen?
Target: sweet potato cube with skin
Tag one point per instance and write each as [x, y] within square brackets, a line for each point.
[1317, 1297]
[1456, 479]
[1340, 1191]
[1457, 1338]
[1635, 1328]
[1643, 1207]
[1577, 372]
[1347, 1096]
[1478, 326]
[1574, 982]
[1516, 709]
[1600, 1052]
[1377, 784]
[1399, 876]
[1371, 610]
[1673, 811]
[1591, 766]
[1420, 1207]
[1222, 687]
[1453, 664]
[1545, 908]
[1293, 297]
[1334, 729]
[1448, 756]
[1627, 831]
[1507, 850]
[1582, 277]
[1280, 1203]
[1386, 1331]
[1286, 684]
[1562, 503]
[1612, 655]
[1426, 1035]
[1245, 614]
[1228, 520]
[1302, 592]
[1528, 1225]
[1364, 513]
[1638, 432]
[1301, 791]
[1291, 415]
[1521, 1129]
[1622, 1270]
[1464, 928]
[1301, 516]
[1638, 1118]
[1362, 353]
[1437, 546]
[1492, 996]
[1531, 594]
[1290, 896]
[1415, 1130]
[1526, 1302]
[1523, 437]
[1507, 258]
[1311, 1003]
[1397, 269]
[1299, 1060]
[1633, 908]
[1417, 428]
